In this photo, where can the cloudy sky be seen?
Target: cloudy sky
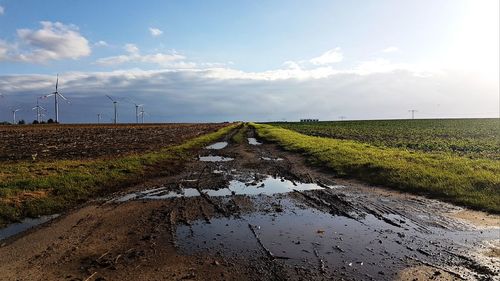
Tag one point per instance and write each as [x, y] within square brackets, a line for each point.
[251, 60]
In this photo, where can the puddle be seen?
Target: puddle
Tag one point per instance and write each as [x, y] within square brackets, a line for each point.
[158, 194]
[271, 159]
[253, 141]
[214, 158]
[217, 145]
[269, 186]
[305, 238]
[24, 225]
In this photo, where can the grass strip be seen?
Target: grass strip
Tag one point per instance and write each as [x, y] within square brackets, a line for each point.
[469, 182]
[240, 136]
[43, 188]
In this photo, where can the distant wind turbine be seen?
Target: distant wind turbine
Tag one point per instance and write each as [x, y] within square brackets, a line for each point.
[115, 104]
[412, 113]
[14, 115]
[137, 106]
[142, 113]
[56, 94]
[38, 109]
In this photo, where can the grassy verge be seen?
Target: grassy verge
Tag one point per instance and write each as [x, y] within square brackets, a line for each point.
[34, 189]
[240, 136]
[469, 182]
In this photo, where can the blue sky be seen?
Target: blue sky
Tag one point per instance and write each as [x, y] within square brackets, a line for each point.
[252, 60]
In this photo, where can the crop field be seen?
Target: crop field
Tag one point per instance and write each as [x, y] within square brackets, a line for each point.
[453, 160]
[47, 169]
[57, 142]
[475, 138]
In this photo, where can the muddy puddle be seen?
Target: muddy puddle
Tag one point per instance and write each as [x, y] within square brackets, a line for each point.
[253, 141]
[317, 243]
[217, 145]
[272, 159]
[24, 225]
[215, 158]
[245, 185]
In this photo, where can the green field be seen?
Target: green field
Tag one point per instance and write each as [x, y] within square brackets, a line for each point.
[452, 160]
[474, 138]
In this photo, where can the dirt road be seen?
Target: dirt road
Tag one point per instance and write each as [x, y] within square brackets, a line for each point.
[251, 211]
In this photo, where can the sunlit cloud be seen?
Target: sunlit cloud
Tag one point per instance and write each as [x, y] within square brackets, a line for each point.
[2, 10]
[217, 94]
[101, 43]
[390, 49]
[134, 56]
[155, 32]
[329, 57]
[54, 41]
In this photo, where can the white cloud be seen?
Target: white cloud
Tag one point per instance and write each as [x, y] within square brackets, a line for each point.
[329, 57]
[2, 10]
[155, 32]
[134, 55]
[54, 41]
[390, 49]
[131, 49]
[101, 43]
[4, 49]
[218, 94]
[385, 66]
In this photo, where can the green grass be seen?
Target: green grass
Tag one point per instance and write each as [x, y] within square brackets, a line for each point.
[473, 138]
[240, 136]
[34, 189]
[461, 180]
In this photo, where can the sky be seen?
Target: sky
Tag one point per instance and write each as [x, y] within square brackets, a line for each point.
[226, 60]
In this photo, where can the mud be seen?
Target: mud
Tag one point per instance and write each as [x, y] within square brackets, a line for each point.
[263, 215]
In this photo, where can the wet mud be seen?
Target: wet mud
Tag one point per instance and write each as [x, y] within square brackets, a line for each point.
[254, 212]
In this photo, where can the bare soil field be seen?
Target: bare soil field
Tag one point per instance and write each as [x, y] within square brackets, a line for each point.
[251, 211]
[57, 142]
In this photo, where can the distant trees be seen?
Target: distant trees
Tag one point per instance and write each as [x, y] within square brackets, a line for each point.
[50, 121]
[21, 122]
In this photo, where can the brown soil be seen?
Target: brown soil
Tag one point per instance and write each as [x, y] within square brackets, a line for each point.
[346, 231]
[477, 218]
[424, 273]
[46, 142]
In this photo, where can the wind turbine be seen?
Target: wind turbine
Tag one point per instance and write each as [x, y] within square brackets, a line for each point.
[137, 106]
[56, 94]
[38, 112]
[14, 115]
[142, 112]
[412, 113]
[115, 104]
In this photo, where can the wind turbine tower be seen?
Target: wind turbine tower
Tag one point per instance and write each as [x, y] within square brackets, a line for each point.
[412, 113]
[14, 115]
[137, 106]
[38, 108]
[142, 114]
[56, 95]
[115, 104]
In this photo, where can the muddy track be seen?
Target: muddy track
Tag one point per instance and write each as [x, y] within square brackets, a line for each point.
[259, 214]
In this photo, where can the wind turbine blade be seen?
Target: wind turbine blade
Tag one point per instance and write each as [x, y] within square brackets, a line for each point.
[110, 98]
[63, 97]
[57, 81]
